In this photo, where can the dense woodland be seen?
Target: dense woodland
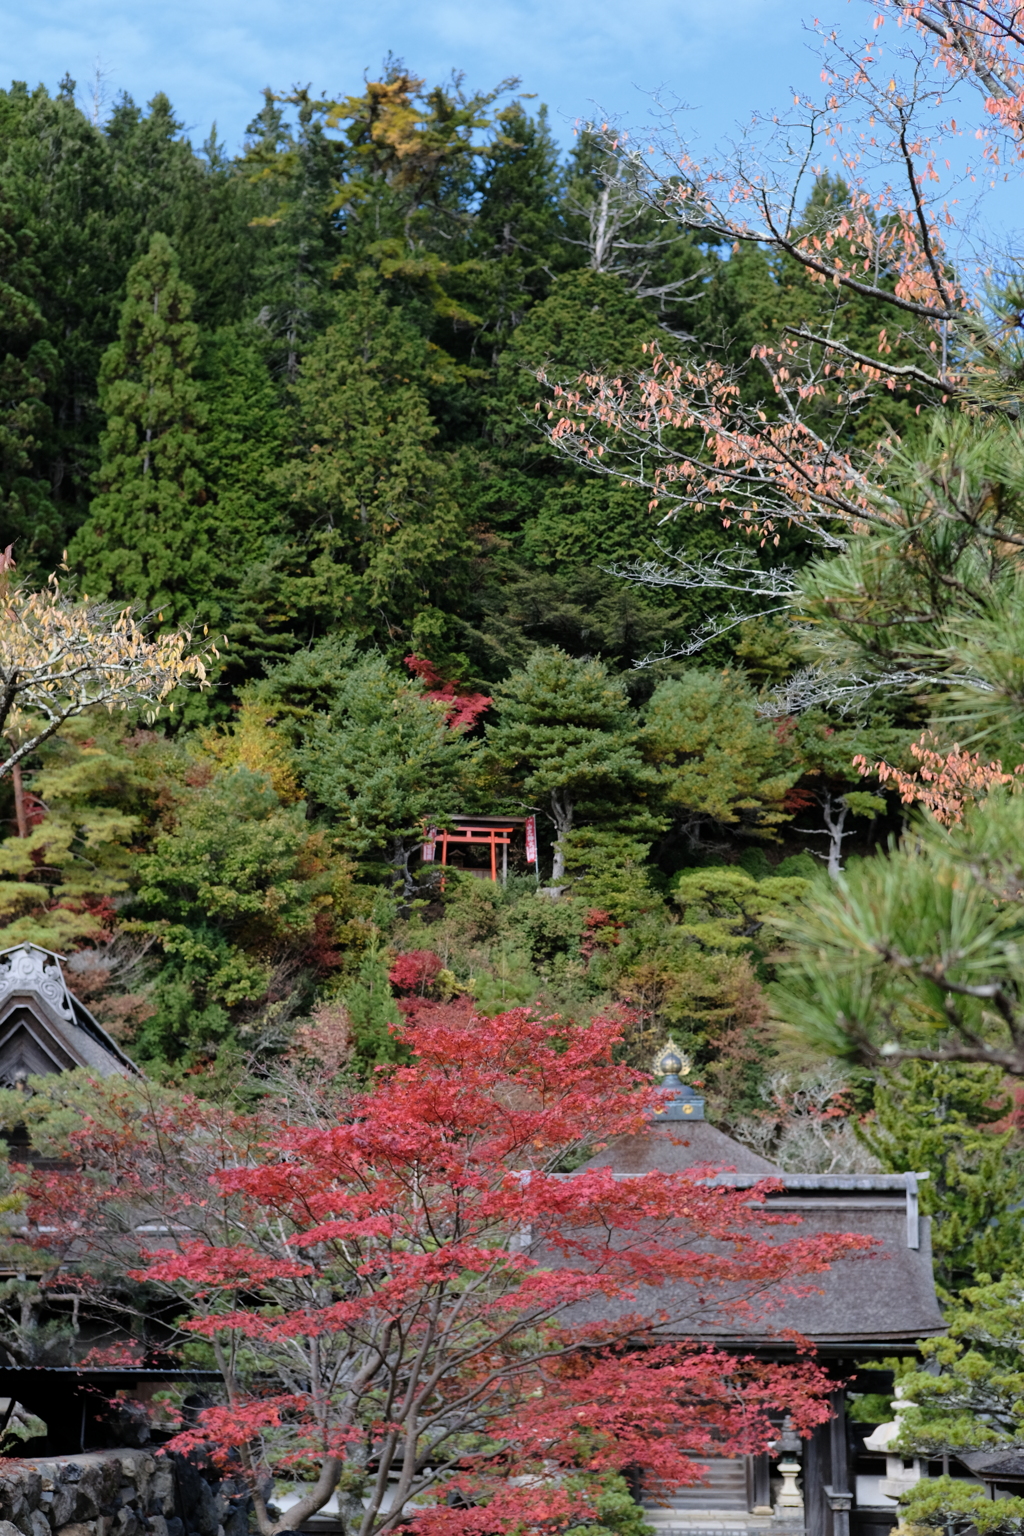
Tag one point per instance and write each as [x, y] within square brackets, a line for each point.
[330, 347]
[491, 477]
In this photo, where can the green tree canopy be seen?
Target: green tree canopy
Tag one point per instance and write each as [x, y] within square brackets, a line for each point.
[567, 742]
[145, 538]
[939, 1118]
[381, 757]
[917, 953]
[719, 760]
[235, 890]
[372, 501]
[968, 1396]
[28, 366]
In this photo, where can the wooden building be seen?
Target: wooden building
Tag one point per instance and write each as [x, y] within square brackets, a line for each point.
[43, 1026]
[860, 1311]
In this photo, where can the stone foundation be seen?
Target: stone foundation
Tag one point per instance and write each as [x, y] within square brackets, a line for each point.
[719, 1522]
[118, 1493]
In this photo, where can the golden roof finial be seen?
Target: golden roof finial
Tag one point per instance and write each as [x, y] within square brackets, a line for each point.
[671, 1061]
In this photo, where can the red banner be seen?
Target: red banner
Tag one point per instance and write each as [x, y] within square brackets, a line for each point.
[531, 839]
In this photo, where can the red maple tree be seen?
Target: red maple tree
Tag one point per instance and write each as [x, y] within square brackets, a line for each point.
[462, 709]
[415, 971]
[412, 1299]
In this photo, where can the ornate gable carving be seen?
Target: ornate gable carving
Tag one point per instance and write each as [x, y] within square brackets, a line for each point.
[30, 969]
[43, 1027]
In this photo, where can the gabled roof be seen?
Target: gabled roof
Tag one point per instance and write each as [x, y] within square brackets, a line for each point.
[43, 1026]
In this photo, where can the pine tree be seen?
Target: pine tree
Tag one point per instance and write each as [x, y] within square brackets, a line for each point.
[373, 1013]
[90, 197]
[55, 171]
[720, 761]
[291, 172]
[566, 741]
[563, 526]
[245, 439]
[383, 759]
[239, 889]
[968, 1396]
[515, 239]
[28, 363]
[85, 804]
[372, 504]
[159, 183]
[939, 1117]
[145, 538]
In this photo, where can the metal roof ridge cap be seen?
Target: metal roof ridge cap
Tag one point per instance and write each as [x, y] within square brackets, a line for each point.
[811, 1183]
[846, 1180]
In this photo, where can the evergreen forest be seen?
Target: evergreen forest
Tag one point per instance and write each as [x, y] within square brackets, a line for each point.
[289, 401]
[463, 474]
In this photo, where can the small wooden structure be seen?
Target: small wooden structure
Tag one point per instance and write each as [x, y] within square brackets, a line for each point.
[473, 843]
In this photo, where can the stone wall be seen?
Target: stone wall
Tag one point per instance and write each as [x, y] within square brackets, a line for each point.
[118, 1493]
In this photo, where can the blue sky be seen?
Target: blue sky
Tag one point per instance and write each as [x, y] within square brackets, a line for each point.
[582, 57]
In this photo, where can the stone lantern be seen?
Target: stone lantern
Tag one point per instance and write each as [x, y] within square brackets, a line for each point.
[790, 1503]
[901, 1473]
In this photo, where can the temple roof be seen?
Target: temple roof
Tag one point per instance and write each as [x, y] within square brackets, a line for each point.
[43, 1026]
[865, 1304]
[672, 1147]
[998, 1464]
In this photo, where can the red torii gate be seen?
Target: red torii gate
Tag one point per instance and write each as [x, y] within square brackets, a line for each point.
[488, 832]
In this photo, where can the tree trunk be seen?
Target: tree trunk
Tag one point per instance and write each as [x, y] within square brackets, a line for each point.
[561, 815]
[836, 812]
[316, 1498]
[401, 853]
[20, 812]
